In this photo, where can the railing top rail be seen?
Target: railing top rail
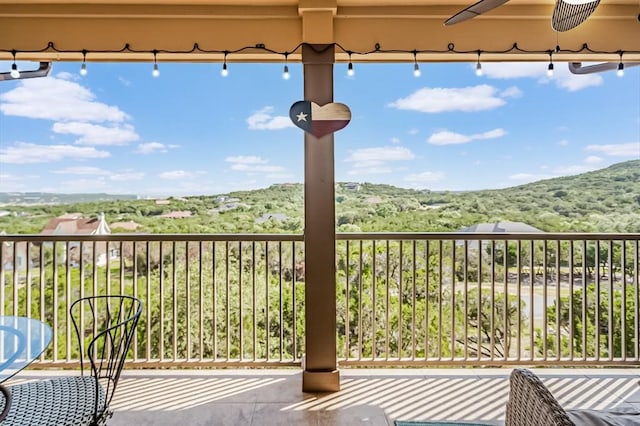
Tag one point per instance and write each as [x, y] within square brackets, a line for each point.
[498, 236]
[150, 237]
[343, 236]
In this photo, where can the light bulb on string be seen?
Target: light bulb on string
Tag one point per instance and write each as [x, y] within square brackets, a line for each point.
[156, 70]
[350, 71]
[416, 67]
[225, 71]
[285, 72]
[14, 67]
[83, 67]
[478, 66]
[620, 71]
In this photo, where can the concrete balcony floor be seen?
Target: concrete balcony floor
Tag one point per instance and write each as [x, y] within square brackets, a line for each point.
[368, 396]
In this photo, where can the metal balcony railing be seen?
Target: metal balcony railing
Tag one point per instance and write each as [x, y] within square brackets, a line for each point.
[418, 299]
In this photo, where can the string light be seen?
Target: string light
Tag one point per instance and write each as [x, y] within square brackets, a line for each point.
[450, 49]
[285, 73]
[620, 71]
[156, 70]
[225, 71]
[478, 66]
[14, 67]
[83, 67]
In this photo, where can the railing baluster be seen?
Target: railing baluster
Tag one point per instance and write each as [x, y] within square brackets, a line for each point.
[240, 305]
[597, 316]
[453, 301]
[253, 300]
[201, 302]
[571, 301]
[413, 296]
[400, 297]
[440, 298]
[374, 313]
[558, 303]
[465, 308]
[623, 316]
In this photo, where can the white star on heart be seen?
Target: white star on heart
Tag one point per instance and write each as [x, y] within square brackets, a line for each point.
[302, 116]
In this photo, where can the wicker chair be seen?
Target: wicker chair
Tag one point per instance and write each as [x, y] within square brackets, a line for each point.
[531, 404]
[106, 324]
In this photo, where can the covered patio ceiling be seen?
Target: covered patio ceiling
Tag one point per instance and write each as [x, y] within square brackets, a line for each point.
[61, 29]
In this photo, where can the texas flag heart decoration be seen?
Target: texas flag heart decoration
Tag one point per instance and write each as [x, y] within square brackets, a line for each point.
[319, 120]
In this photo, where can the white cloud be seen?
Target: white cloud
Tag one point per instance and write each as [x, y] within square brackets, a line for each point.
[66, 76]
[96, 171]
[529, 177]
[571, 170]
[57, 99]
[264, 120]
[367, 161]
[446, 137]
[124, 81]
[95, 134]
[562, 77]
[256, 168]
[252, 164]
[280, 176]
[467, 99]
[29, 153]
[246, 159]
[593, 159]
[511, 92]
[368, 157]
[573, 83]
[425, 177]
[83, 185]
[176, 175]
[631, 149]
[414, 131]
[509, 70]
[395, 140]
[152, 147]
[126, 177]
[590, 163]
[82, 170]
[563, 142]
[369, 171]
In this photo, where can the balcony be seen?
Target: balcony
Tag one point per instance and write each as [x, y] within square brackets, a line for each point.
[424, 300]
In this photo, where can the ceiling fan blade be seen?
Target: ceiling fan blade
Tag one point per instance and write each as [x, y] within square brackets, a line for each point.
[570, 14]
[474, 10]
[578, 68]
[42, 71]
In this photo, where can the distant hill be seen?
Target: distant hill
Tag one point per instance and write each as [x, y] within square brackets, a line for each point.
[54, 198]
[606, 200]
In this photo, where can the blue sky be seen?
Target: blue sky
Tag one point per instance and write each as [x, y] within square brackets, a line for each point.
[191, 131]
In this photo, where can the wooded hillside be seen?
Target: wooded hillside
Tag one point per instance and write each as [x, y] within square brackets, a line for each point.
[606, 200]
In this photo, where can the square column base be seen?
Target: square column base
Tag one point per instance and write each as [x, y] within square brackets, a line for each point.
[321, 381]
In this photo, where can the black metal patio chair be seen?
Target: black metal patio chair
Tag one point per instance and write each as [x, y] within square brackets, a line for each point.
[105, 326]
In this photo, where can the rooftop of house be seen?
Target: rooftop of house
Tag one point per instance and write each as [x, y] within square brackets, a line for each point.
[77, 225]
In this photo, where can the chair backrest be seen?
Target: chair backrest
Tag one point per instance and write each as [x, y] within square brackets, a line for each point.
[105, 326]
[531, 404]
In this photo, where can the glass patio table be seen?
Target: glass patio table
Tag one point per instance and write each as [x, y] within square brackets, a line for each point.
[22, 340]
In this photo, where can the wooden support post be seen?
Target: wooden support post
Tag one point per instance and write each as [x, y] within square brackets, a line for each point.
[320, 372]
